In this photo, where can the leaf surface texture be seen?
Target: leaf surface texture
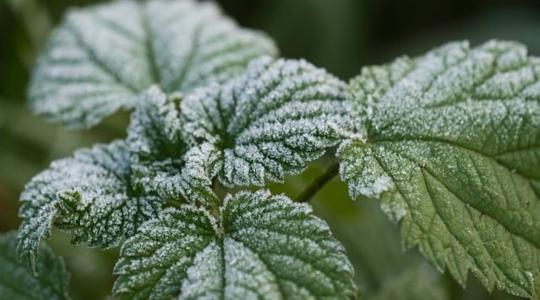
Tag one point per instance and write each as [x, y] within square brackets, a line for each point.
[259, 247]
[102, 57]
[451, 146]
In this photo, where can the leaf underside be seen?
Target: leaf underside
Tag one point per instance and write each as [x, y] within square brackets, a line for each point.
[89, 195]
[260, 247]
[18, 282]
[452, 148]
[101, 58]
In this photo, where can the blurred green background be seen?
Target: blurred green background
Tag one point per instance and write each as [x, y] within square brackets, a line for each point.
[340, 35]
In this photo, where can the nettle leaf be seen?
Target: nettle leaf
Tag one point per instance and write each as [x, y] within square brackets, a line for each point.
[269, 122]
[163, 163]
[102, 57]
[89, 195]
[260, 246]
[453, 151]
[17, 282]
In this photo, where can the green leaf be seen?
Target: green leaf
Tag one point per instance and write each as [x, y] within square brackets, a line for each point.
[259, 246]
[102, 57]
[452, 148]
[17, 282]
[269, 122]
[89, 195]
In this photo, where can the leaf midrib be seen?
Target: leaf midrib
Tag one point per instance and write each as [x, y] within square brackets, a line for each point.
[148, 45]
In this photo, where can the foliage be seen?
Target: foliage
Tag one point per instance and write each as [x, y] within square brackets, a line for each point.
[452, 150]
[101, 58]
[258, 246]
[16, 280]
[448, 142]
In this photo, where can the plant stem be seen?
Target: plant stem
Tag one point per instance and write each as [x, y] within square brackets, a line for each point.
[319, 183]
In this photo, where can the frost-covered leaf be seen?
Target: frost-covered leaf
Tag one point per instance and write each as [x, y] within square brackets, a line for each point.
[102, 57]
[259, 247]
[18, 283]
[269, 122]
[187, 178]
[154, 132]
[162, 162]
[89, 195]
[452, 149]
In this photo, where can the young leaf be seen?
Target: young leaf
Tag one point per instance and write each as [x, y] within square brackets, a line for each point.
[188, 178]
[260, 246]
[155, 131]
[90, 195]
[17, 282]
[163, 163]
[452, 148]
[102, 57]
[269, 122]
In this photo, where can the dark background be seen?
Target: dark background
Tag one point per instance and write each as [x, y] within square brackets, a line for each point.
[340, 35]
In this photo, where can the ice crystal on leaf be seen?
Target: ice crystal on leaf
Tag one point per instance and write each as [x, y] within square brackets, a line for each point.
[261, 126]
[449, 142]
[18, 282]
[257, 246]
[155, 131]
[163, 163]
[269, 122]
[452, 149]
[101, 58]
[90, 195]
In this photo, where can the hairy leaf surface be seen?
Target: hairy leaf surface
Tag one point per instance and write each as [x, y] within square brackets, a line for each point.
[452, 148]
[259, 247]
[102, 57]
[90, 195]
[269, 122]
[17, 282]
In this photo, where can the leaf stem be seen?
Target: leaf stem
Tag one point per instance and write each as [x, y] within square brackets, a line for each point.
[319, 183]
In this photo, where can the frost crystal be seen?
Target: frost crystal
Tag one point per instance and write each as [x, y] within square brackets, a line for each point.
[259, 247]
[261, 126]
[163, 164]
[90, 195]
[17, 282]
[102, 57]
[452, 148]
[269, 122]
